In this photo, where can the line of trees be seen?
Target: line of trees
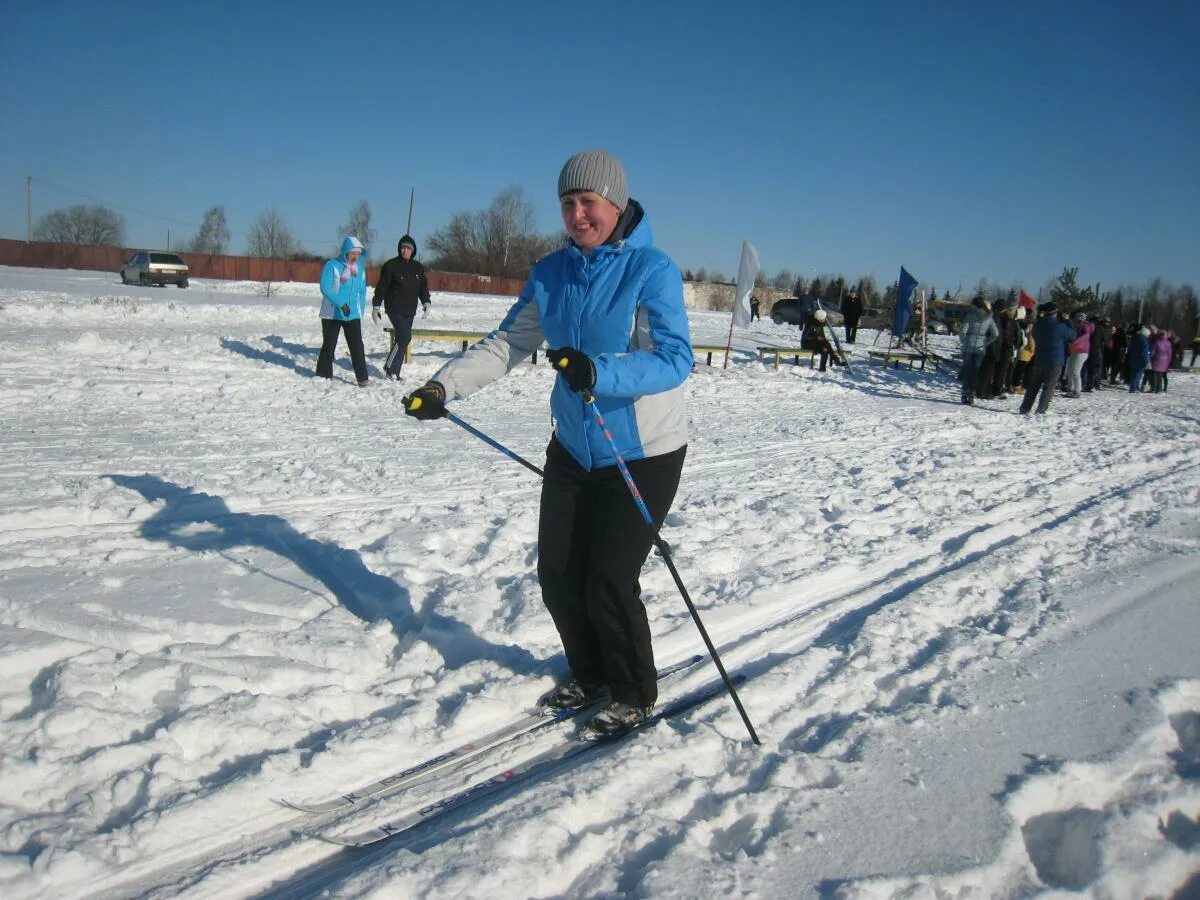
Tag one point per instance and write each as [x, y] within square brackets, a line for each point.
[502, 240]
[270, 237]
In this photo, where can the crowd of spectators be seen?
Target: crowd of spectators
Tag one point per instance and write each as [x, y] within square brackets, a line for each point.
[1007, 352]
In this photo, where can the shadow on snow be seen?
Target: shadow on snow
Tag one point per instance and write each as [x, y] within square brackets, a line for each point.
[367, 595]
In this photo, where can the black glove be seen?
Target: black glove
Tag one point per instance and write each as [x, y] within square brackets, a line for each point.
[426, 402]
[575, 367]
[375, 313]
[345, 309]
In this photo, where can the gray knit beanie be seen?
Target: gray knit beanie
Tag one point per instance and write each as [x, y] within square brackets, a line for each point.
[595, 170]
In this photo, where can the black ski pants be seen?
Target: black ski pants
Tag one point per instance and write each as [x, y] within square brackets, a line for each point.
[592, 542]
[851, 326]
[402, 328]
[330, 329]
[1042, 377]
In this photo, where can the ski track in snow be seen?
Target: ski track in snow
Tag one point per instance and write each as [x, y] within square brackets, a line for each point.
[223, 582]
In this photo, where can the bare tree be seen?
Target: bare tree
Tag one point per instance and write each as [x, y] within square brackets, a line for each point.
[270, 237]
[213, 236]
[500, 240]
[91, 225]
[359, 226]
[784, 280]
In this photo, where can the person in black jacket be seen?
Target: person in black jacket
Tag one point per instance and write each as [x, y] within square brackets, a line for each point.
[813, 337]
[401, 284]
[852, 310]
[1094, 367]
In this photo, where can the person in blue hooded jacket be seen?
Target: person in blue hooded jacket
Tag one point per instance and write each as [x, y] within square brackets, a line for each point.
[610, 306]
[343, 302]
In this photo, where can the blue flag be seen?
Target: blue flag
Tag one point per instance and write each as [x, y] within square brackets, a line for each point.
[903, 303]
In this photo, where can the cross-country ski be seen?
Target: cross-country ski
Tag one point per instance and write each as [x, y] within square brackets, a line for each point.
[456, 756]
[508, 777]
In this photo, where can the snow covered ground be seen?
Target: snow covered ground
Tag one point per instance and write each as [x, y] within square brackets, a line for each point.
[969, 638]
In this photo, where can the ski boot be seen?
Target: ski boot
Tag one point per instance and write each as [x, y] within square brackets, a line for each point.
[614, 720]
[571, 694]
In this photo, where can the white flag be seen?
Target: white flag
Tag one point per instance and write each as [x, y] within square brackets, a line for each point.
[747, 272]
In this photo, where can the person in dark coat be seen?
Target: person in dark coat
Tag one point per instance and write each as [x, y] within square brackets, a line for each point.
[852, 310]
[1139, 358]
[1114, 352]
[813, 338]
[754, 306]
[1093, 372]
[1050, 334]
[401, 286]
[1012, 338]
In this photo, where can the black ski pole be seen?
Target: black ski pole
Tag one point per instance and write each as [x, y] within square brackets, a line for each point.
[493, 443]
[665, 552]
[659, 544]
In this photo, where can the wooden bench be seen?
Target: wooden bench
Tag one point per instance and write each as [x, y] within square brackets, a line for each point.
[709, 350]
[467, 338]
[795, 352]
[897, 356]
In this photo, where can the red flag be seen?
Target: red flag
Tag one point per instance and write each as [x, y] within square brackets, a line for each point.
[1027, 301]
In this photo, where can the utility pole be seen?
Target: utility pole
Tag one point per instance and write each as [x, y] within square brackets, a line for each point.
[28, 208]
[411, 193]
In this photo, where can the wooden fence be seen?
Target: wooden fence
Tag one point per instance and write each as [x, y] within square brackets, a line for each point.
[38, 255]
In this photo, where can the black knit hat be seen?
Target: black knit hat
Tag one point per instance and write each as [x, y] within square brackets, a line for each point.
[407, 240]
[1047, 308]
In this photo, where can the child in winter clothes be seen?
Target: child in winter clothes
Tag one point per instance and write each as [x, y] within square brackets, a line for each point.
[1024, 359]
[343, 302]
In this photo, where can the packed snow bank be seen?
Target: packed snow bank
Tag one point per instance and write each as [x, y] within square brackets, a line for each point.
[968, 637]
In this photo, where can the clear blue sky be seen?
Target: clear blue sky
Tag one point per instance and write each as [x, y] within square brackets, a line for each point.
[958, 141]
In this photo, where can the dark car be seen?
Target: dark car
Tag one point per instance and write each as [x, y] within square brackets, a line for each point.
[796, 310]
[874, 317]
[155, 267]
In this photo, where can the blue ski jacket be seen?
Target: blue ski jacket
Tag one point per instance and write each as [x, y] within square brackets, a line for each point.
[1050, 337]
[623, 307]
[1139, 351]
[336, 293]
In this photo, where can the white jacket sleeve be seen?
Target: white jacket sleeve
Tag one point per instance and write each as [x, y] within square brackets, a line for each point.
[505, 348]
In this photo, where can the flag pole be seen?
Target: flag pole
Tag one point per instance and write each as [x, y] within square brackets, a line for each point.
[729, 341]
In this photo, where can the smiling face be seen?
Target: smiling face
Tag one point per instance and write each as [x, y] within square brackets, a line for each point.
[589, 218]
[353, 256]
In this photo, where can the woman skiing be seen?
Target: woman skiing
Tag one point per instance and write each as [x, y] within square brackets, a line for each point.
[610, 305]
